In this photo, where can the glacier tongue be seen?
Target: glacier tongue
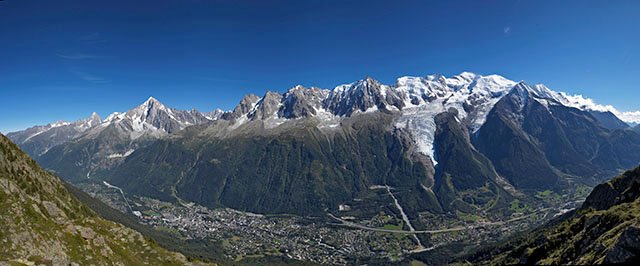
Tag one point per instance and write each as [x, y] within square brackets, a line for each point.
[420, 121]
[427, 97]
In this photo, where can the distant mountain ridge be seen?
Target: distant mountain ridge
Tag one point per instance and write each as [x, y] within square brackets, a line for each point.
[467, 92]
[39, 139]
[422, 132]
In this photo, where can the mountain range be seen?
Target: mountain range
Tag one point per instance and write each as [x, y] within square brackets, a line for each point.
[468, 143]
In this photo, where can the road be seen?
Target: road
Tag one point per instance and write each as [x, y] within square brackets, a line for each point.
[121, 193]
[453, 229]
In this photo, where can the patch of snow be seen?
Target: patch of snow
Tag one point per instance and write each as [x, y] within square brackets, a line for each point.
[121, 155]
[371, 109]
[327, 119]
[60, 123]
[36, 134]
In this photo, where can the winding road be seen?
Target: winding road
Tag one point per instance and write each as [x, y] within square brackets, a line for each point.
[453, 229]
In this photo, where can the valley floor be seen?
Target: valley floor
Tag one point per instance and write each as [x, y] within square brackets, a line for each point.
[338, 238]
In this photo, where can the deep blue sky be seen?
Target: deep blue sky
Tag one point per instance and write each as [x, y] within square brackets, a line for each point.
[65, 59]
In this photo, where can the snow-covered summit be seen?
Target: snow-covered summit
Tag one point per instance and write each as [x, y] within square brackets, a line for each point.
[154, 117]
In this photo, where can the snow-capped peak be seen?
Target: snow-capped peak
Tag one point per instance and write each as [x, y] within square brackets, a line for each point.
[493, 83]
[151, 100]
[89, 122]
[468, 76]
[215, 114]
[153, 117]
[152, 103]
[95, 116]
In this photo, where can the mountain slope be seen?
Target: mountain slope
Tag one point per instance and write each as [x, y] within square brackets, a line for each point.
[503, 140]
[296, 169]
[609, 120]
[465, 180]
[605, 230]
[43, 223]
[534, 141]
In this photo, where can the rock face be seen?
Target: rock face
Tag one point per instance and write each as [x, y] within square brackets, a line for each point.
[41, 223]
[364, 95]
[626, 249]
[267, 106]
[302, 102]
[623, 189]
[605, 230]
[247, 103]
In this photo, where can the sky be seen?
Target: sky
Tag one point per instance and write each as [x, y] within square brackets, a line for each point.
[62, 60]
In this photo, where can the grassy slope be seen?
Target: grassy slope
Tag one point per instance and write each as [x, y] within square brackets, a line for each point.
[595, 234]
[42, 222]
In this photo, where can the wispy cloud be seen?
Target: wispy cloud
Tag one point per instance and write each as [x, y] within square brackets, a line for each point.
[90, 77]
[582, 102]
[92, 38]
[77, 56]
[507, 30]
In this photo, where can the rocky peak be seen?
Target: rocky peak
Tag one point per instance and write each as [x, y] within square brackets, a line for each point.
[364, 95]
[247, 103]
[92, 120]
[267, 107]
[150, 109]
[302, 102]
[151, 101]
[149, 105]
[88, 122]
[95, 117]
[519, 95]
[215, 114]
[153, 116]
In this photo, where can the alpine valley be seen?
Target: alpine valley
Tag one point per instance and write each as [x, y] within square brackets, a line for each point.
[422, 170]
